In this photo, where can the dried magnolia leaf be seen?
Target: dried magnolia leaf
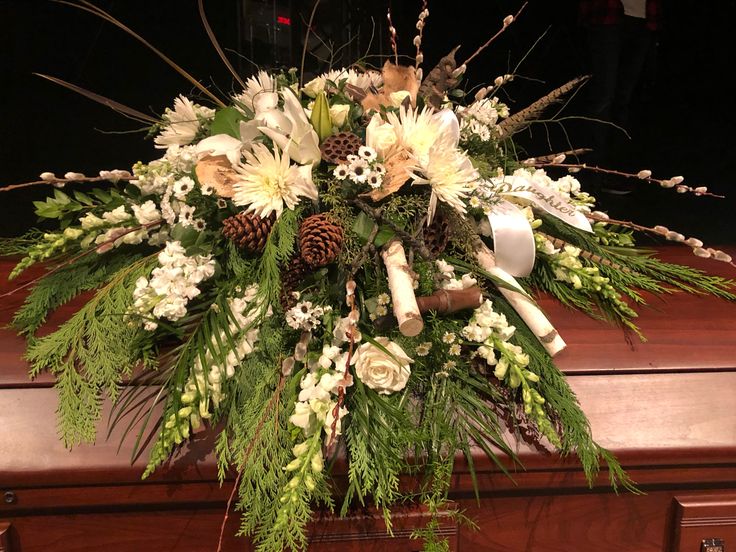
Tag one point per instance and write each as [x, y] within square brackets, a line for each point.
[398, 168]
[217, 172]
[396, 78]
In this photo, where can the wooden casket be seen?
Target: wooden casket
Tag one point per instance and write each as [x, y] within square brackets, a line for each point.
[666, 408]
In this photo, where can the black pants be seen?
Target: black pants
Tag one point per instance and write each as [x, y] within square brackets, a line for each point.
[618, 54]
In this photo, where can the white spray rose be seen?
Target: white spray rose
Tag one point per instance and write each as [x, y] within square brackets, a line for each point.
[380, 371]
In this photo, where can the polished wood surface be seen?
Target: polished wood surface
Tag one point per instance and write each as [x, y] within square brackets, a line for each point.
[665, 407]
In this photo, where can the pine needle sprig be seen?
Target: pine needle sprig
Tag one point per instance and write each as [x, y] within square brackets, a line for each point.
[62, 286]
[90, 353]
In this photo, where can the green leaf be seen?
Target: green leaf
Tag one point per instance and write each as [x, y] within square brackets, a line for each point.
[383, 236]
[83, 198]
[363, 226]
[227, 121]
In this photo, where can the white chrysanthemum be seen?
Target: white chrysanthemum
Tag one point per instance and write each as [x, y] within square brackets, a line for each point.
[363, 80]
[416, 130]
[256, 84]
[451, 175]
[182, 123]
[268, 181]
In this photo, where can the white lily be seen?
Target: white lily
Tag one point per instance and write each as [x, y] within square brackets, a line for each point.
[294, 134]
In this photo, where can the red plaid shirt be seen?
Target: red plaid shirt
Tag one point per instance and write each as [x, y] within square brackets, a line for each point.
[610, 12]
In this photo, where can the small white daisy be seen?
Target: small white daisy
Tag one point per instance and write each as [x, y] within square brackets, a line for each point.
[186, 215]
[341, 172]
[367, 153]
[206, 190]
[359, 171]
[182, 187]
[449, 337]
[221, 203]
[449, 365]
[378, 168]
[423, 348]
[374, 180]
[381, 310]
[474, 202]
[383, 299]
[352, 158]
[454, 349]
[199, 224]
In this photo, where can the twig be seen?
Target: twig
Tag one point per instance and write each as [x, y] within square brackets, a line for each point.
[552, 156]
[495, 36]
[367, 248]
[699, 250]
[418, 245]
[664, 183]
[306, 43]
[274, 400]
[392, 32]
[216, 44]
[56, 181]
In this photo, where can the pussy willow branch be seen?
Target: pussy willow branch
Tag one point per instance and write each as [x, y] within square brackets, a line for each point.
[495, 36]
[56, 181]
[593, 168]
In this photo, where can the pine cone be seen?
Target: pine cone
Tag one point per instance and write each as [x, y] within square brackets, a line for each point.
[320, 240]
[248, 231]
[337, 147]
[291, 276]
[437, 234]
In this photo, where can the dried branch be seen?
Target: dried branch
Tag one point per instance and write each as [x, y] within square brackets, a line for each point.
[216, 44]
[506, 23]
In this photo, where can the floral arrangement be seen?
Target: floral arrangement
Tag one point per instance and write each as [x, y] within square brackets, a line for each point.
[338, 268]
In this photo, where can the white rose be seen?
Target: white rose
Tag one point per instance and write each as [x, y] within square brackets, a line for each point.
[380, 371]
[339, 114]
[379, 135]
[315, 86]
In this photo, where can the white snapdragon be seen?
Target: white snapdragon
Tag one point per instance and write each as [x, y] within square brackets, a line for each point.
[446, 277]
[171, 285]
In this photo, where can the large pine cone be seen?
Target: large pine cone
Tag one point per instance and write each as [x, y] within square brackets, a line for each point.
[291, 277]
[320, 240]
[248, 231]
[337, 147]
[437, 234]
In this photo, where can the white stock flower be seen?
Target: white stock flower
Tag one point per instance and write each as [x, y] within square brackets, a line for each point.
[268, 181]
[116, 216]
[146, 213]
[382, 372]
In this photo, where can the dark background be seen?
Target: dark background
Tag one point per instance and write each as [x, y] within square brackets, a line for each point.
[683, 122]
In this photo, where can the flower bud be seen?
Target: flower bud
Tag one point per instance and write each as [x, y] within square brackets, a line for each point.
[674, 236]
[185, 412]
[74, 176]
[667, 183]
[694, 242]
[700, 252]
[644, 174]
[294, 483]
[417, 41]
[558, 159]
[721, 256]
[661, 230]
[681, 189]
[701, 190]
[309, 483]
[317, 463]
[508, 20]
[293, 465]
[677, 179]
[48, 176]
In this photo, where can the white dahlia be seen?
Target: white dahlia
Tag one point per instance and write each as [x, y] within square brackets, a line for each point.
[268, 181]
[416, 130]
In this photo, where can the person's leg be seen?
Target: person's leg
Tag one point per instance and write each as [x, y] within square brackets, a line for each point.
[604, 47]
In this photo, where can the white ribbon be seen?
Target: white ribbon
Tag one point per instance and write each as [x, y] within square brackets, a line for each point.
[513, 239]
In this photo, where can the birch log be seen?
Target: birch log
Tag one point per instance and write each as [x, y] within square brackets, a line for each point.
[401, 285]
[529, 312]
